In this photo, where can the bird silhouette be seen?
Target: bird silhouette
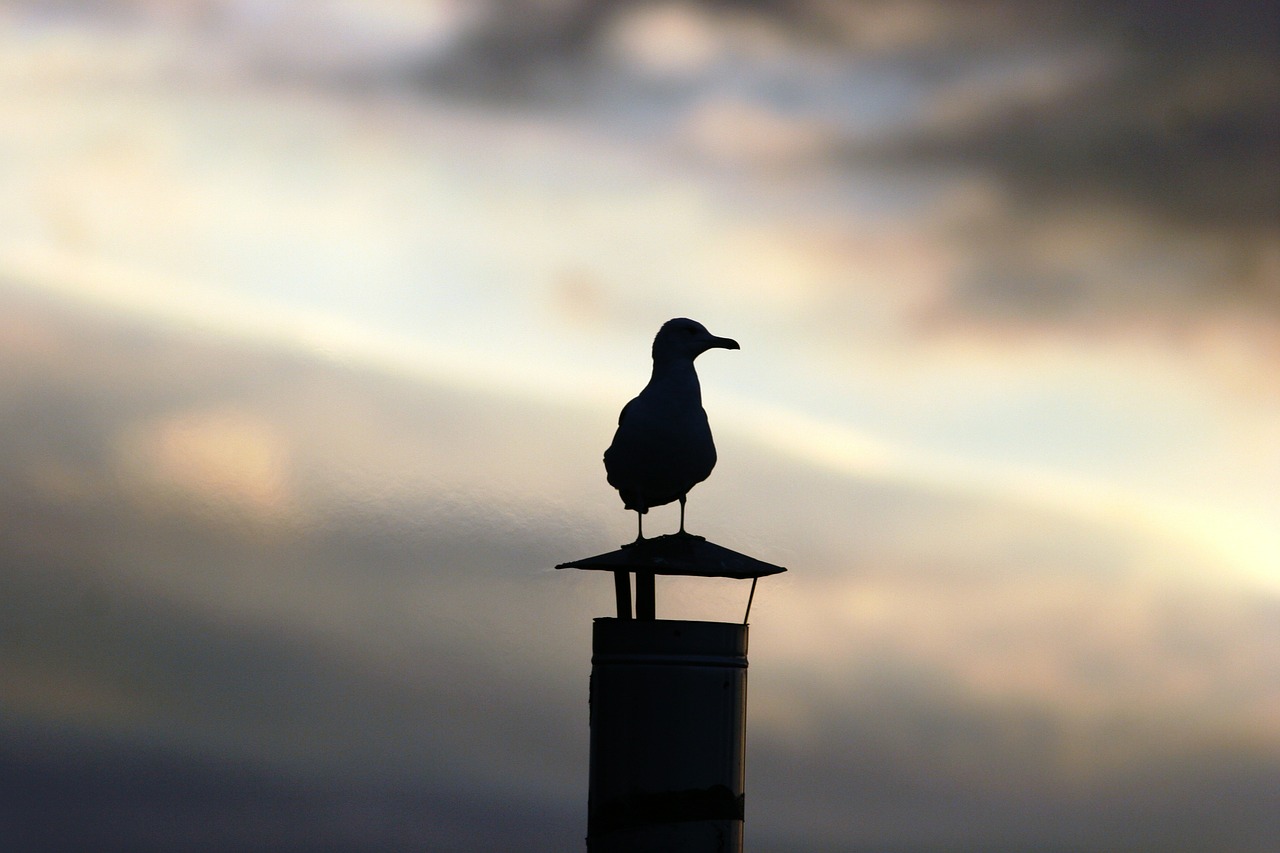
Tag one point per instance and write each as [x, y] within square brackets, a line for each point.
[663, 446]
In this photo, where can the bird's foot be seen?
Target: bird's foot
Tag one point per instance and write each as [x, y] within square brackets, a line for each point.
[684, 534]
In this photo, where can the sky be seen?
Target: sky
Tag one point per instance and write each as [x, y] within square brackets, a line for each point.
[315, 319]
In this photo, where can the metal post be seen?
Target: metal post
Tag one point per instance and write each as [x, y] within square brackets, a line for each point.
[622, 592]
[668, 731]
[646, 599]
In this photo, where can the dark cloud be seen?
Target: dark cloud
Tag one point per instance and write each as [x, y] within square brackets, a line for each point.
[67, 790]
[1159, 118]
[1184, 117]
[1178, 802]
[1172, 133]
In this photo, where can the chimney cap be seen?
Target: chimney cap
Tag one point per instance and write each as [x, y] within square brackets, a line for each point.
[676, 554]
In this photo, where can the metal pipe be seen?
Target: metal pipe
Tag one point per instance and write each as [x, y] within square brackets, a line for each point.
[668, 736]
[646, 597]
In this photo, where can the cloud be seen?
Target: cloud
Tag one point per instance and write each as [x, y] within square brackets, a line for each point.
[728, 131]
[1147, 131]
[74, 791]
[221, 457]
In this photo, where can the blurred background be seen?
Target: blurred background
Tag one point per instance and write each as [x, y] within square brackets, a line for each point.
[315, 318]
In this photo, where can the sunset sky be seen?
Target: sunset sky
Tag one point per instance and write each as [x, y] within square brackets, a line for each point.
[315, 319]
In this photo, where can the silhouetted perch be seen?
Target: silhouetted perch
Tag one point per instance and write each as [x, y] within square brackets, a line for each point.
[668, 707]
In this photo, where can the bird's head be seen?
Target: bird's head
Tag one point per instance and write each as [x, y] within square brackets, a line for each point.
[683, 338]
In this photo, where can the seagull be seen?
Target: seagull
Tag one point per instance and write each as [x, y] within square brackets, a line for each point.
[663, 445]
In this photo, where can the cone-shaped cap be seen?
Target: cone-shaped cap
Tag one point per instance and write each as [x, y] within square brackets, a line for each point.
[675, 554]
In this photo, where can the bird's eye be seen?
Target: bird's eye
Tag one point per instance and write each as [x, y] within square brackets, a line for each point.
[690, 329]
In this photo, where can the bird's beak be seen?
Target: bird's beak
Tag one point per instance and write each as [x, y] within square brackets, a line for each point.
[722, 343]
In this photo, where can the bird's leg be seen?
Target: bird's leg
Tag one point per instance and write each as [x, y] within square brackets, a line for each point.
[639, 526]
[684, 533]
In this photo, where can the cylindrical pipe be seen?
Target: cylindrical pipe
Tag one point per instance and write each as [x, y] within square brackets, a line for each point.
[668, 736]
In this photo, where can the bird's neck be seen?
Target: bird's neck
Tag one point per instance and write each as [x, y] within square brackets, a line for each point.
[677, 376]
